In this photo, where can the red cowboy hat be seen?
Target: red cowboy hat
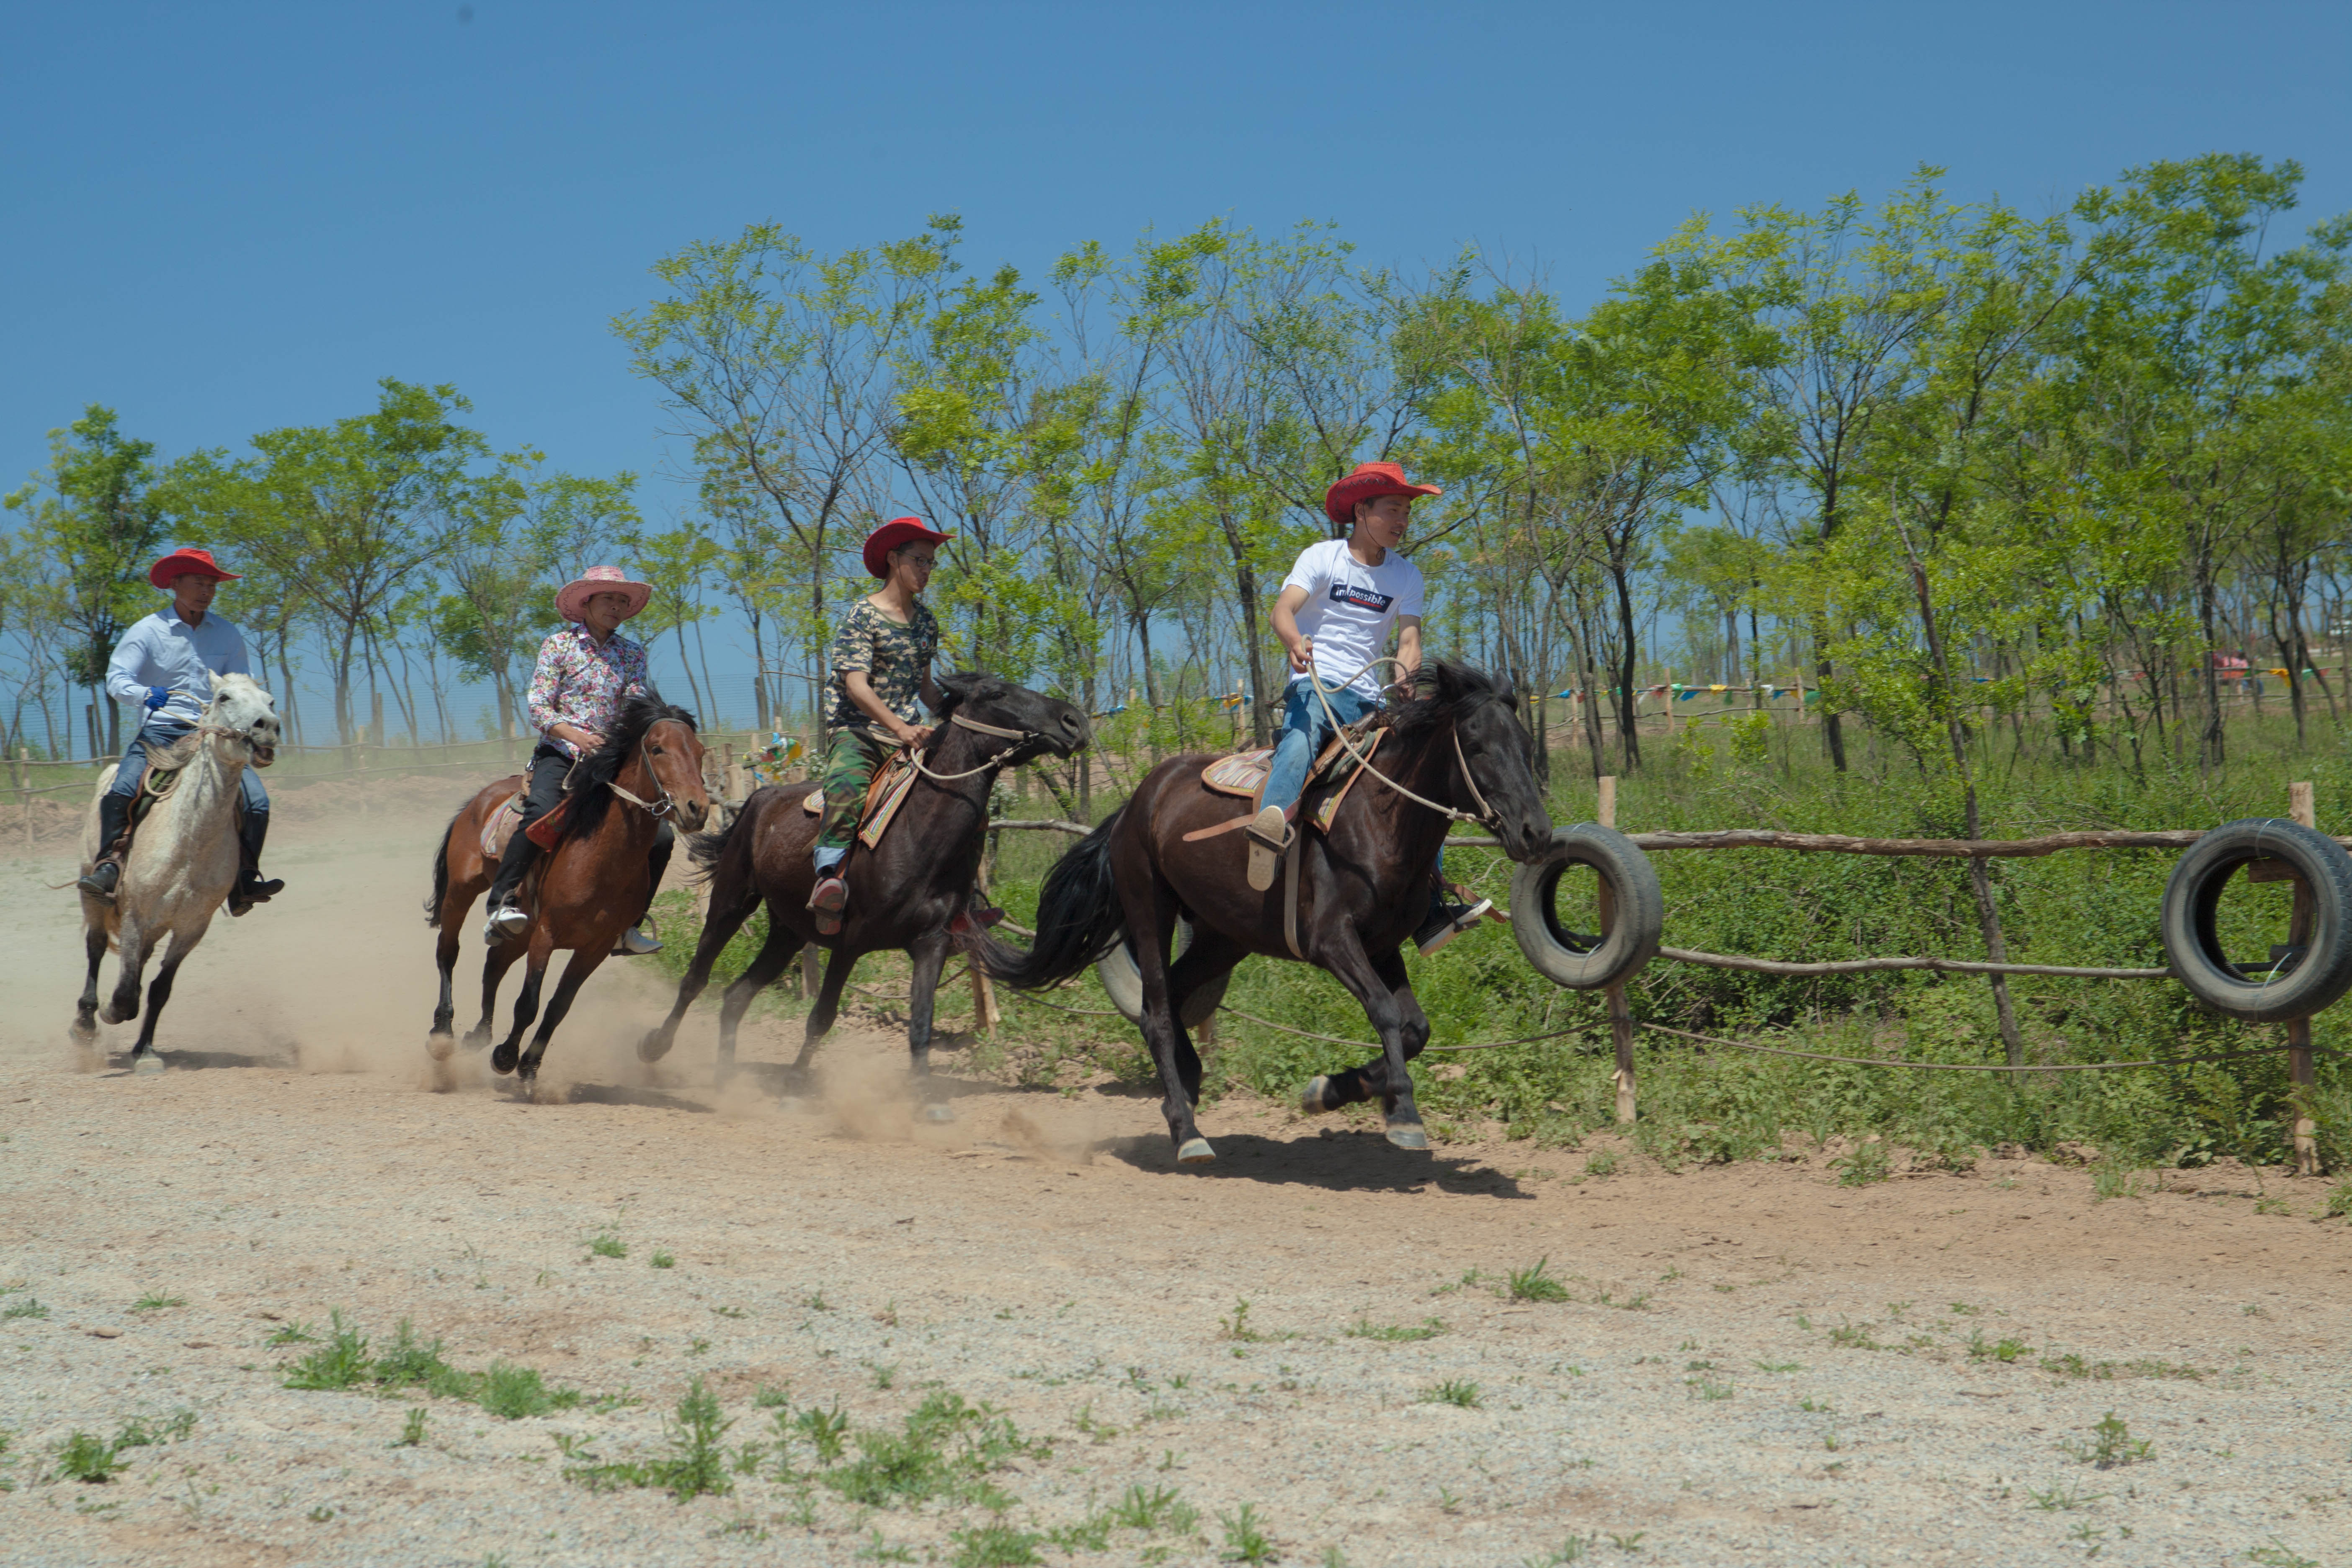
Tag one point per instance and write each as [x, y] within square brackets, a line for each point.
[571, 599]
[892, 534]
[185, 562]
[1368, 481]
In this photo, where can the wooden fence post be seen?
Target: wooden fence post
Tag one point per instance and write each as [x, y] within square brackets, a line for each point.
[1621, 1017]
[810, 972]
[2300, 1071]
[984, 1015]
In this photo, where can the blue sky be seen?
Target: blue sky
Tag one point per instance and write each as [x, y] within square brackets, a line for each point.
[221, 218]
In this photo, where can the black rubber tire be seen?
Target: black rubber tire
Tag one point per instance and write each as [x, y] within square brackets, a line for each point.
[1119, 976]
[1582, 961]
[2308, 983]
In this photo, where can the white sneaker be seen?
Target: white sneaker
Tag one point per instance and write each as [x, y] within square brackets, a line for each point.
[505, 923]
[636, 943]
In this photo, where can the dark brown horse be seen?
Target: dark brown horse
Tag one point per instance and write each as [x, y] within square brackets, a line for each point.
[904, 893]
[595, 884]
[1363, 886]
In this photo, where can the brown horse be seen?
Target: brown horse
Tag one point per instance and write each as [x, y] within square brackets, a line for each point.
[905, 893]
[593, 887]
[1363, 886]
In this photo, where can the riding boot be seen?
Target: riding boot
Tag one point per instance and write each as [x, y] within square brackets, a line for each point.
[639, 939]
[252, 830]
[506, 920]
[105, 872]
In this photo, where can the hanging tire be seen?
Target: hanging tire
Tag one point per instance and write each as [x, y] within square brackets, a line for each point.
[2292, 984]
[1586, 960]
[1119, 976]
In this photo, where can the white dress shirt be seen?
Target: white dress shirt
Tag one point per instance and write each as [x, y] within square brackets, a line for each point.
[164, 650]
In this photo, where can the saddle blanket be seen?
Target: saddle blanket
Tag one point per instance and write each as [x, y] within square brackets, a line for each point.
[1244, 774]
[884, 795]
[498, 831]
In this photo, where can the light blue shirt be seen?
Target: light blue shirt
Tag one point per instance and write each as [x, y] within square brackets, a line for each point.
[164, 650]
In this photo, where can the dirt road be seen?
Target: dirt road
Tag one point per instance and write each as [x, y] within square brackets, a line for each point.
[1751, 1365]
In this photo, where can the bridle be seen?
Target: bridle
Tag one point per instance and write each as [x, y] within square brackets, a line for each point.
[915, 759]
[1483, 816]
[667, 804]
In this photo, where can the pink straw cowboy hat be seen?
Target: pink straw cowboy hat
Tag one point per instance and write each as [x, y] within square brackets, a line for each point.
[572, 603]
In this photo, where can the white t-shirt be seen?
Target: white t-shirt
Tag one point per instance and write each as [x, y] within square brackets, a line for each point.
[1351, 609]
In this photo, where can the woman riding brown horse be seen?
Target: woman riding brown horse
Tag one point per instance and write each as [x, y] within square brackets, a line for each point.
[1361, 888]
[913, 886]
[586, 892]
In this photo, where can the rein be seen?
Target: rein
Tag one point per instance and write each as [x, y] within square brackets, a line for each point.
[656, 811]
[1483, 816]
[915, 760]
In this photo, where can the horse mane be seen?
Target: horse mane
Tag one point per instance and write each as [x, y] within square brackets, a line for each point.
[602, 765]
[1446, 690]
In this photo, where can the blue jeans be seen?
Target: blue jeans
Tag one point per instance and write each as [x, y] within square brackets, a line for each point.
[163, 733]
[1304, 732]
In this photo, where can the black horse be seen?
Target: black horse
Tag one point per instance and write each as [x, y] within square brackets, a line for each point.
[905, 893]
[1363, 886]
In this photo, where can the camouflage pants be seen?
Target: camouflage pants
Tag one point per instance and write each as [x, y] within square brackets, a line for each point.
[849, 767]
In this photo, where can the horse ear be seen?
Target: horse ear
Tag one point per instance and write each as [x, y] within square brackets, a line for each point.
[214, 676]
[961, 684]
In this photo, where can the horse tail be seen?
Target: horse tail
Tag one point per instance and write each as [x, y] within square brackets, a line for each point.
[705, 849]
[441, 873]
[1079, 919]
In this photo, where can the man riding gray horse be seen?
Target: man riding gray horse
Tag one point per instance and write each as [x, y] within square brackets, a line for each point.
[163, 667]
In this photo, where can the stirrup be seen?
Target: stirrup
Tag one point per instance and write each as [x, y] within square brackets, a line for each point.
[635, 943]
[504, 923]
[1265, 853]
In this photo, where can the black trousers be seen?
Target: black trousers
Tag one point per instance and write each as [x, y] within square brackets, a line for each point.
[542, 787]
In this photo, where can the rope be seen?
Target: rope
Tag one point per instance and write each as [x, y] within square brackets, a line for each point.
[1979, 1067]
[1374, 1045]
[1364, 761]
[1874, 966]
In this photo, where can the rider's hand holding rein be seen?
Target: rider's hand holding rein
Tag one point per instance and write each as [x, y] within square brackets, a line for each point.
[861, 691]
[586, 740]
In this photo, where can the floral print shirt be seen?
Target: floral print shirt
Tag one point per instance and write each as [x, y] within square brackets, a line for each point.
[895, 657]
[576, 682]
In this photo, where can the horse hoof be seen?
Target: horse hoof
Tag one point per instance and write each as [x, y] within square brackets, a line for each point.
[440, 1045]
[503, 1059]
[1409, 1137]
[947, 1113]
[1195, 1151]
[146, 1062]
[1310, 1098]
[107, 1014]
[83, 1032]
[654, 1047]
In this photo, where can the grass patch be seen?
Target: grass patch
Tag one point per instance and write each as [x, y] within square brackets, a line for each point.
[606, 1245]
[342, 1363]
[1246, 1538]
[1454, 1391]
[2111, 1447]
[1534, 1285]
[695, 1466]
[155, 1301]
[997, 1545]
[27, 1308]
[1395, 1334]
[663, 1260]
[947, 1449]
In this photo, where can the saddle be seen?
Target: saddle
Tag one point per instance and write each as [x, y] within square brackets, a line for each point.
[885, 792]
[155, 785]
[1244, 774]
[498, 831]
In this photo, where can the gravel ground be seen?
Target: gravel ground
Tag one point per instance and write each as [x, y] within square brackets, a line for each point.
[1750, 1366]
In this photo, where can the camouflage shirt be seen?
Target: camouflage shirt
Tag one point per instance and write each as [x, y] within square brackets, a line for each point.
[895, 657]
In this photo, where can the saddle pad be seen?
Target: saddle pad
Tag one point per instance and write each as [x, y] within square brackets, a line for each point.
[1329, 807]
[1243, 773]
[500, 828]
[883, 800]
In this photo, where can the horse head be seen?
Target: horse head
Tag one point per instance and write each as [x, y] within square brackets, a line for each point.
[673, 753]
[1046, 724]
[1494, 750]
[244, 710]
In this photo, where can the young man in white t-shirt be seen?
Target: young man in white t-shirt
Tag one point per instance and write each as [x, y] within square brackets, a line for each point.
[1334, 614]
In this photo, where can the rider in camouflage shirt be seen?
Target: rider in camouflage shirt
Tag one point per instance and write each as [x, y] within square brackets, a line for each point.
[881, 661]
